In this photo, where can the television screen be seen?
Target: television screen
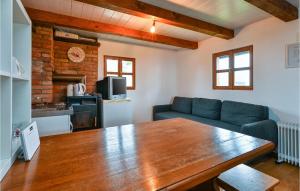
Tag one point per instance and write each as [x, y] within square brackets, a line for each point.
[119, 86]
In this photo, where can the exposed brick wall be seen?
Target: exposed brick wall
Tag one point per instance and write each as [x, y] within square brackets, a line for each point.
[62, 65]
[42, 64]
[49, 56]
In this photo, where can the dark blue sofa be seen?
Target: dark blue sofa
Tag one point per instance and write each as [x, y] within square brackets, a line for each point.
[240, 117]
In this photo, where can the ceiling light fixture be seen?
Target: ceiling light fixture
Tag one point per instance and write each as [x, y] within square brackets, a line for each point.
[152, 29]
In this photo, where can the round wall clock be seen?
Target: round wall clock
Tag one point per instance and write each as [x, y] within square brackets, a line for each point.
[76, 54]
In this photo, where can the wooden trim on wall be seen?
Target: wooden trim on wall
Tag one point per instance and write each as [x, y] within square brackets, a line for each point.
[120, 73]
[231, 69]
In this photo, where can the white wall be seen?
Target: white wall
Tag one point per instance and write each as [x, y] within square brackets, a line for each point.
[155, 75]
[274, 85]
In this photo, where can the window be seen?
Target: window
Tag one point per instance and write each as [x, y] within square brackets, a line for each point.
[233, 69]
[121, 66]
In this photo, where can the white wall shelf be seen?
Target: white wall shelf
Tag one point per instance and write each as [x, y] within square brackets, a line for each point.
[15, 90]
[20, 14]
[4, 73]
[16, 77]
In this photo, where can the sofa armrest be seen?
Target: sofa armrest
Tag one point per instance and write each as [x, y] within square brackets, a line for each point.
[266, 129]
[160, 108]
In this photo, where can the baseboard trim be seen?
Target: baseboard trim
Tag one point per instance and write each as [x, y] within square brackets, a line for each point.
[8, 163]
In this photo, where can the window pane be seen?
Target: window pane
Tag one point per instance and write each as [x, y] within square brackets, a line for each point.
[242, 78]
[223, 79]
[111, 65]
[127, 66]
[242, 59]
[223, 63]
[111, 75]
[129, 82]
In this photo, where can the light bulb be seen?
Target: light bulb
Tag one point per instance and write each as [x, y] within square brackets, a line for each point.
[152, 29]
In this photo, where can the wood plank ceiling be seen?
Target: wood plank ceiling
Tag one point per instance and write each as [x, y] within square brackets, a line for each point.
[99, 27]
[161, 15]
[86, 11]
[230, 14]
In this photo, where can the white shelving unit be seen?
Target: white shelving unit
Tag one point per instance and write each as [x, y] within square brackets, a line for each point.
[15, 90]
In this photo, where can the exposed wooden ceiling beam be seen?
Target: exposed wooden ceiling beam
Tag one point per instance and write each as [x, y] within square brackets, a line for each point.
[93, 26]
[281, 9]
[141, 9]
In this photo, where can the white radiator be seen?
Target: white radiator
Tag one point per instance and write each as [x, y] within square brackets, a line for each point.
[288, 143]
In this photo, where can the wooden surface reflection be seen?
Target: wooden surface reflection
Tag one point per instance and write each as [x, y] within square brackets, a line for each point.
[170, 154]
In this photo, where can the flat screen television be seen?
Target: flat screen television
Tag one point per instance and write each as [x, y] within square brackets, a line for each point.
[112, 87]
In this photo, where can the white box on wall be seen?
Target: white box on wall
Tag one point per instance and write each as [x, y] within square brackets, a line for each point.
[293, 55]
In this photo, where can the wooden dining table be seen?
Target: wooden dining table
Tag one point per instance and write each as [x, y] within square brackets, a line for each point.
[173, 154]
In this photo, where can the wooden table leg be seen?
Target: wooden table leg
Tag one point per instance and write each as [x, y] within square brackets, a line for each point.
[210, 185]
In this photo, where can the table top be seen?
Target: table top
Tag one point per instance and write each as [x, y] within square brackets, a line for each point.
[168, 154]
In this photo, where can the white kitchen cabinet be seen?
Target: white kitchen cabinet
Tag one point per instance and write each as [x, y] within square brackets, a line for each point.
[117, 112]
[53, 125]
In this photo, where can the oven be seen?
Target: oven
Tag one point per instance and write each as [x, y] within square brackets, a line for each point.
[87, 112]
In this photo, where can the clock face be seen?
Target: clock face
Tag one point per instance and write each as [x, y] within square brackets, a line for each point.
[76, 54]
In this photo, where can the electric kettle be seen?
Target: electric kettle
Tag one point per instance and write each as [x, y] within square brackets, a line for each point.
[79, 89]
[70, 90]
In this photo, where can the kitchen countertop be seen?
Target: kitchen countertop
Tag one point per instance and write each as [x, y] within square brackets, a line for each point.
[50, 111]
[117, 100]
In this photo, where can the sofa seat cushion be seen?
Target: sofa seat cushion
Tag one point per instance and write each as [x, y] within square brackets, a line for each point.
[182, 104]
[215, 123]
[208, 108]
[220, 124]
[239, 113]
[174, 114]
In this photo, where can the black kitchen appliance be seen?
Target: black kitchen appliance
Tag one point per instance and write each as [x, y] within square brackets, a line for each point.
[87, 112]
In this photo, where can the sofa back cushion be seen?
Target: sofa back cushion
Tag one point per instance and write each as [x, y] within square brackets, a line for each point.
[208, 108]
[239, 113]
[182, 104]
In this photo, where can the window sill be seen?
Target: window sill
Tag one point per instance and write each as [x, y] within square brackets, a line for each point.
[233, 88]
